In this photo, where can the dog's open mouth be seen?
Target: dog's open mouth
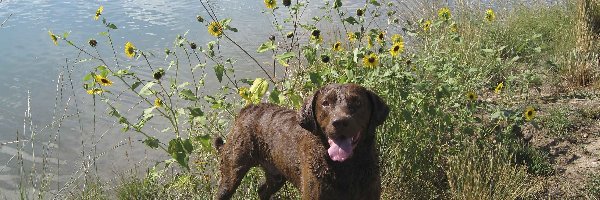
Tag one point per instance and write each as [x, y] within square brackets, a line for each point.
[341, 149]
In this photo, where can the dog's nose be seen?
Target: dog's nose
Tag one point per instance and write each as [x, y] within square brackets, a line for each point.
[340, 122]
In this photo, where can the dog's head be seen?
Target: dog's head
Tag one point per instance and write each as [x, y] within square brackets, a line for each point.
[346, 114]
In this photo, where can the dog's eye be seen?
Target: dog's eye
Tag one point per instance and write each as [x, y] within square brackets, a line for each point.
[325, 103]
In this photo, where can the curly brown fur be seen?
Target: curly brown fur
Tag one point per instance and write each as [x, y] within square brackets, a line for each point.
[327, 149]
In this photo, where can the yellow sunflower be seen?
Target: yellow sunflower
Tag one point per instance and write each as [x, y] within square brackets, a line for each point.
[103, 80]
[129, 49]
[95, 91]
[370, 61]
[397, 38]
[53, 37]
[490, 16]
[444, 13]
[215, 29]
[381, 37]
[99, 12]
[158, 102]
[397, 49]
[471, 96]
[426, 25]
[351, 36]
[338, 46]
[271, 4]
[529, 113]
[499, 88]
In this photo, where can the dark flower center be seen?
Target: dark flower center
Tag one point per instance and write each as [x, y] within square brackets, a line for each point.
[316, 33]
[396, 48]
[371, 59]
[103, 80]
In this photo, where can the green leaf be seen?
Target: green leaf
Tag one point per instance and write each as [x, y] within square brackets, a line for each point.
[136, 85]
[195, 111]
[315, 78]
[187, 94]
[178, 153]
[122, 73]
[205, 141]
[88, 77]
[187, 146]
[225, 22]
[274, 96]
[283, 58]
[269, 45]
[351, 20]
[286, 56]
[111, 26]
[151, 142]
[295, 99]
[146, 90]
[219, 71]
[337, 4]
[350, 74]
[374, 2]
[103, 70]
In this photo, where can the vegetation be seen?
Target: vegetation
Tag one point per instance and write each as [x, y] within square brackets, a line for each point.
[464, 85]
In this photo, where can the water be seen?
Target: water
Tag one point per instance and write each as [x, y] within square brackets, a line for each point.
[29, 61]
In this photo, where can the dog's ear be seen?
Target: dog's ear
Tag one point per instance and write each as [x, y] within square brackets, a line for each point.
[379, 110]
[306, 115]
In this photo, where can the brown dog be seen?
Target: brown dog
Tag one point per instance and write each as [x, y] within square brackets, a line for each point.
[327, 150]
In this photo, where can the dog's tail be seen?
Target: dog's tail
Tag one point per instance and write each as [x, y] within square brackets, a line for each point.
[218, 143]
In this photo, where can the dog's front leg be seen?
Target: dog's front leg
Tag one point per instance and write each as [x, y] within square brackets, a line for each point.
[314, 172]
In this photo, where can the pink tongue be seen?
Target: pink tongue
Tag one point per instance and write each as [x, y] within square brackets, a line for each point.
[340, 150]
